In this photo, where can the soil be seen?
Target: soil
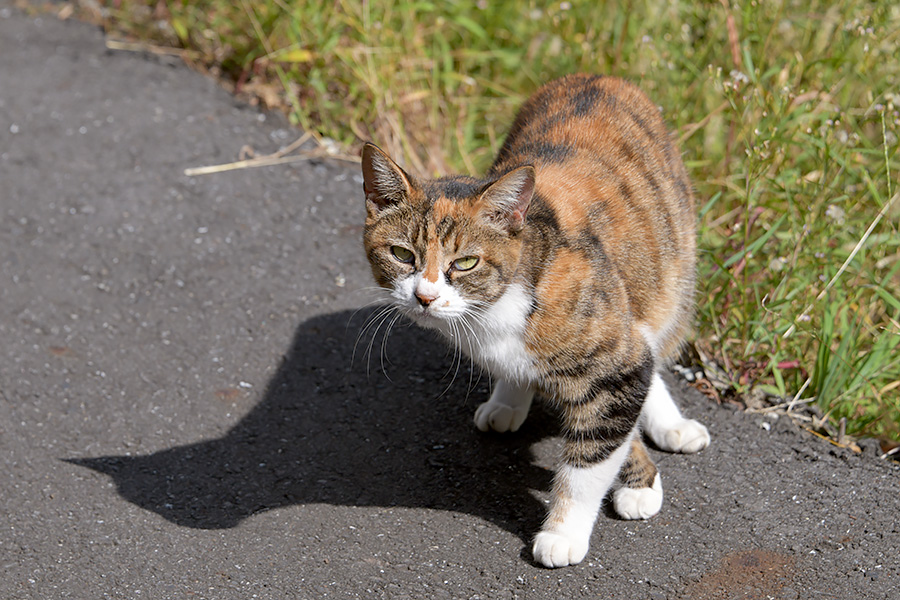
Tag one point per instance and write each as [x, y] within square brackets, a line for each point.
[186, 410]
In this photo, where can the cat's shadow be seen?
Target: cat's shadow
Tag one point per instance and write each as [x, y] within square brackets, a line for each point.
[328, 431]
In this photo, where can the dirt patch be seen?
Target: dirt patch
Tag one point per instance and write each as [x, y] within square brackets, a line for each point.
[749, 575]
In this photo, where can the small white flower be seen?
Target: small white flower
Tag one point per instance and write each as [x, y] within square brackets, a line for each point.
[835, 214]
[738, 77]
[777, 264]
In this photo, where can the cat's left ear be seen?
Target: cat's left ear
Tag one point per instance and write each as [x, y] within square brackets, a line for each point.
[384, 182]
[506, 201]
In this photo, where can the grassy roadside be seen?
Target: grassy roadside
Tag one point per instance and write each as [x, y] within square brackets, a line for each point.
[788, 114]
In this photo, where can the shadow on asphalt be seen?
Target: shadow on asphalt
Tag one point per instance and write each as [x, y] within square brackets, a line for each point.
[328, 432]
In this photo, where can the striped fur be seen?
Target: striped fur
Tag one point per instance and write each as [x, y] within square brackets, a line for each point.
[582, 238]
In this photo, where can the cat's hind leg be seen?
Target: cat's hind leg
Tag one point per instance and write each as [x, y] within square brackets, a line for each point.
[507, 408]
[640, 495]
[663, 423]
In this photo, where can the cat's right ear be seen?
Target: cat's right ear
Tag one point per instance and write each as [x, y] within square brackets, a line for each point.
[506, 201]
[384, 182]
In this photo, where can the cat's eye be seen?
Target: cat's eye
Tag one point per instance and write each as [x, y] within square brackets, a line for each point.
[466, 263]
[402, 254]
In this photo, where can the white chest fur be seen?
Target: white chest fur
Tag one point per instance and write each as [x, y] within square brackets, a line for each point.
[495, 337]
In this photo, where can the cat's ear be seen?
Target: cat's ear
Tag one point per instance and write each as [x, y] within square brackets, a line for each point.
[506, 201]
[384, 182]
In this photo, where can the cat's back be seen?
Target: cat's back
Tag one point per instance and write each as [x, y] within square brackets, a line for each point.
[611, 185]
[590, 130]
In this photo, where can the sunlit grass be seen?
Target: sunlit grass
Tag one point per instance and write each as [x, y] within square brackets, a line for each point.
[787, 113]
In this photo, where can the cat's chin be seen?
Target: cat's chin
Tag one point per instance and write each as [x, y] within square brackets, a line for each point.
[427, 319]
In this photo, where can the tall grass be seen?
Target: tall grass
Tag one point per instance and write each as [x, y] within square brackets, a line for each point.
[787, 113]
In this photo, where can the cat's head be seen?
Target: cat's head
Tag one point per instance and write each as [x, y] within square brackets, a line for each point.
[443, 247]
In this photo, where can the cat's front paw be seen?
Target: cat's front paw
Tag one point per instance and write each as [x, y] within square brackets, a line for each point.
[639, 503]
[687, 436]
[499, 417]
[553, 549]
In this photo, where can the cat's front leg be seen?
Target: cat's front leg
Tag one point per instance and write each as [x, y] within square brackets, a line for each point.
[507, 408]
[598, 427]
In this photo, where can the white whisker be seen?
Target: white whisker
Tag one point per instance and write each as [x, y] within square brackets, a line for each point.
[384, 344]
[378, 318]
[457, 357]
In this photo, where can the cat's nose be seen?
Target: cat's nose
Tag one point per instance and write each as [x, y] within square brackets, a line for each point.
[424, 298]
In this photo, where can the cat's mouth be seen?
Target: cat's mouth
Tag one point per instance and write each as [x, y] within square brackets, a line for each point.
[424, 315]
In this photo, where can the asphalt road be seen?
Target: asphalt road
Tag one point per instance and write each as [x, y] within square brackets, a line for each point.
[182, 416]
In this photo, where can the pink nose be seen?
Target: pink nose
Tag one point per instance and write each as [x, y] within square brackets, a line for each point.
[425, 299]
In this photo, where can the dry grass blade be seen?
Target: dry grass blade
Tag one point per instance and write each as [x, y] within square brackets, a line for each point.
[276, 158]
[263, 161]
[124, 46]
[693, 128]
[887, 206]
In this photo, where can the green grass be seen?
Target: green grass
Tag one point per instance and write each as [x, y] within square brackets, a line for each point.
[787, 113]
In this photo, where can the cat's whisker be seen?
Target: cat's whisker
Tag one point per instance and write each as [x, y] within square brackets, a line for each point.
[378, 317]
[473, 336]
[371, 320]
[457, 358]
[383, 299]
[368, 353]
[464, 320]
[384, 340]
[477, 312]
[383, 317]
[374, 335]
[382, 296]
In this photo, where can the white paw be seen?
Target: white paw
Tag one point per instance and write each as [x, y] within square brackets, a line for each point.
[499, 417]
[687, 436]
[638, 503]
[553, 549]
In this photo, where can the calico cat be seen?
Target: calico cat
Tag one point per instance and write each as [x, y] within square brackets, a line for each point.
[568, 271]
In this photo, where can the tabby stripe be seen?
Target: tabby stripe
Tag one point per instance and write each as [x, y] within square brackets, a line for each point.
[501, 273]
[684, 193]
[630, 383]
[445, 229]
[585, 100]
[587, 454]
[543, 217]
[456, 187]
[548, 151]
[608, 426]
[563, 366]
[637, 157]
[649, 132]
[601, 420]
[638, 470]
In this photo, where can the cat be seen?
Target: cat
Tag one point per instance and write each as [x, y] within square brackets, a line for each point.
[568, 271]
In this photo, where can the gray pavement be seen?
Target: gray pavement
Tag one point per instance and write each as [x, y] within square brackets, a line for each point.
[181, 414]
